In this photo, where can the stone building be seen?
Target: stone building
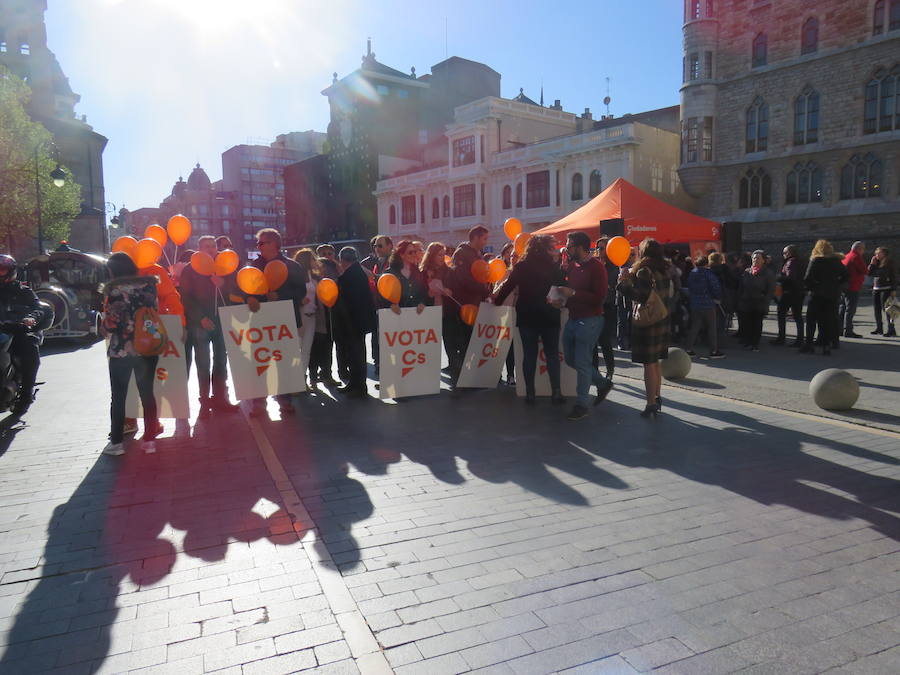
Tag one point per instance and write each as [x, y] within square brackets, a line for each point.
[23, 49]
[790, 115]
[514, 157]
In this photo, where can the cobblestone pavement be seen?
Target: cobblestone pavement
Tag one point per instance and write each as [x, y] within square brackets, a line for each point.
[446, 535]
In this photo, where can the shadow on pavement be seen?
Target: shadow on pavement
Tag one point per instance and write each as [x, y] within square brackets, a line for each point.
[132, 521]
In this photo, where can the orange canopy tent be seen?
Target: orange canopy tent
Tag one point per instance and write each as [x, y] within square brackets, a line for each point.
[642, 215]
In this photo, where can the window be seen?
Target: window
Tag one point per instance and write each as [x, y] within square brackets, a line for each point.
[408, 210]
[577, 188]
[693, 9]
[435, 209]
[507, 197]
[809, 36]
[710, 8]
[382, 90]
[691, 131]
[693, 67]
[422, 209]
[402, 93]
[482, 149]
[518, 195]
[537, 189]
[392, 215]
[806, 117]
[707, 65]
[594, 184]
[446, 207]
[464, 151]
[225, 210]
[882, 104]
[878, 18]
[760, 50]
[2, 46]
[464, 201]
[894, 18]
[482, 199]
[707, 138]
[757, 126]
[25, 49]
[804, 184]
[861, 177]
[755, 190]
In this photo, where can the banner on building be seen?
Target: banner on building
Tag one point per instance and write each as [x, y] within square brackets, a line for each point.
[492, 337]
[410, 352]
[170, 383]
[263, 349]
[568, 377]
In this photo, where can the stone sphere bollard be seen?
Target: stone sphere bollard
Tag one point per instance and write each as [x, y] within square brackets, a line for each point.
[676, 365]
[834, 389]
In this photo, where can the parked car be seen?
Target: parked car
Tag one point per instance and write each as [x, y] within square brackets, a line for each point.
[70, 283]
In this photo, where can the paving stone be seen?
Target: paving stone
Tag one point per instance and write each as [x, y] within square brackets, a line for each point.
[283, 663]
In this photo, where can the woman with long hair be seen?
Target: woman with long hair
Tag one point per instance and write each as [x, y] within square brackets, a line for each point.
[882, 268]
[755, 292]
[306, 257]
[536, 319]
[649, 344]
[404, 264]
[824, 277]
[437, 279]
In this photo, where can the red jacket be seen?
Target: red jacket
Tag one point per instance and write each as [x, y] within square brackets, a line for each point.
[856, 269]
[588, 280]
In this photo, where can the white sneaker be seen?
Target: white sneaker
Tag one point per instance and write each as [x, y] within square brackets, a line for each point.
[114, 449]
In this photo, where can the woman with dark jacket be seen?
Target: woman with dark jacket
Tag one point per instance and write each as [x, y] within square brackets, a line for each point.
[729, 285]
[124, 294]
[757, 286]
[649, 344]
[882, 268]
[792, 293]
[536, 319]
[404, 264]
[824, 277]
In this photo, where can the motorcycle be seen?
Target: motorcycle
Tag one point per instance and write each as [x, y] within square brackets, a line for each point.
[10, 369]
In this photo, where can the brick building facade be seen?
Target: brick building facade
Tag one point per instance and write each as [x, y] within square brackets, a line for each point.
[791, 118]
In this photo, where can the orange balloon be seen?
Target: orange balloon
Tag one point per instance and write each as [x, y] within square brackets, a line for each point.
[521, 242]
[448, 261]
[618, 250]
[496, 270]
[202, 263]
[468, 313]
[512, 228]
[481, 271]
[124, 244]
[179, 229]
[252, 281]
[276, 273]
[389, 287]
[166, 285]
[226, 262]
[156, 233]
[146, 253]
[327, 292]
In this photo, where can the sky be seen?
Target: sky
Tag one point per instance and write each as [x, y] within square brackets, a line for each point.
[174, 82]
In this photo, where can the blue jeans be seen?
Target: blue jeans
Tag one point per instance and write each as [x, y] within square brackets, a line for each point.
[579, 341]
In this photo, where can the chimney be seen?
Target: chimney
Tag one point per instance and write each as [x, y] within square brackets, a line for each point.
[556, 105]
[587, 116]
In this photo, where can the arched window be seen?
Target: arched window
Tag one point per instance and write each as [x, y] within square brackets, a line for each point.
[435, 209]
[507, 197]
[861, 177]
[882, 104]
[392, 215]
[755, 189]
[445, 206]
[757, 126]
[806, 117]
[878, 18]
[594, 184]
[577, 188]
[760, 53]
[518, 195]
[804, 184]
[809, 36]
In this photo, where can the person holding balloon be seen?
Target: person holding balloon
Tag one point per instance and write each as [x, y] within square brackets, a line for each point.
[205, 285]
[404, 265]
[467, 290]
[353, 318]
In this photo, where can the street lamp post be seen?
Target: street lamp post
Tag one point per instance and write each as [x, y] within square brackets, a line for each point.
[58, 175]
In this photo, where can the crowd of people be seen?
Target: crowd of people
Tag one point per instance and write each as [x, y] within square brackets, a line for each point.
[710, 295]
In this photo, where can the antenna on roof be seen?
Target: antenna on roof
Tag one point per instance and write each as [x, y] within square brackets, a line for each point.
[446, 51]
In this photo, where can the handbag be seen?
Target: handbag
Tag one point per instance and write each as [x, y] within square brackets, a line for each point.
[651, 311]
[892, 307]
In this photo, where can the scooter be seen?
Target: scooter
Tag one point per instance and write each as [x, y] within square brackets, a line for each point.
[10, 369]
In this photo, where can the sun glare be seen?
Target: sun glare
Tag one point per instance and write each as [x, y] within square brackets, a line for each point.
[211, 18]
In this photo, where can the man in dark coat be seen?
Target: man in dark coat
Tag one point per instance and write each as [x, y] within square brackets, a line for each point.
[467, 290]
[19, 305]
[354, 317]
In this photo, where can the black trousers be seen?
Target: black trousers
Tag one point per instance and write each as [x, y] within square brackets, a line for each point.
[120, 369]
[878, 298]
[456, 343]
[320, 356]
[792, 304]
[26, 349]
[822, 313]
[752, 325]
[353, 351]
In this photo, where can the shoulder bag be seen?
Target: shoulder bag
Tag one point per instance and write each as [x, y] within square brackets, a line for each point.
[651, 311]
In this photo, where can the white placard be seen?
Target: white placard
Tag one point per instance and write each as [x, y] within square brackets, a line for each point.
[263, 349]
[410, 352]
[568, 378]
[170, 382]
[492, 336]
